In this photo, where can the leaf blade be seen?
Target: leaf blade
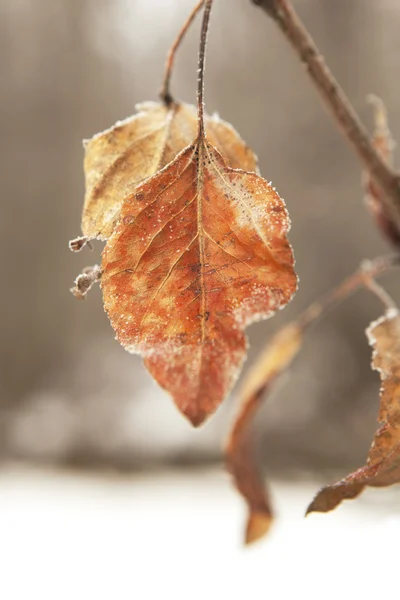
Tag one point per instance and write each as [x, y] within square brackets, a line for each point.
[200, 253]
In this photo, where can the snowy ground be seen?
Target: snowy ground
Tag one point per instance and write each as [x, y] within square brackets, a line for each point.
[177, 535]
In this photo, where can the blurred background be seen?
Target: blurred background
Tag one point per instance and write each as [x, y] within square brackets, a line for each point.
[69, 394]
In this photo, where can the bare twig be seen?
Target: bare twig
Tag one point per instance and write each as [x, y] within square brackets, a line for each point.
[201, 66]
[282, 12]
[367, 272]
[380, 292]
[165, 92]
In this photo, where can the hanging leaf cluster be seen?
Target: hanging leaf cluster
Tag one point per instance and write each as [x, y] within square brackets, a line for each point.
[196, 244]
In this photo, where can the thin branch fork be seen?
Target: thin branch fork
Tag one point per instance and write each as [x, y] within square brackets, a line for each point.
[388, 181]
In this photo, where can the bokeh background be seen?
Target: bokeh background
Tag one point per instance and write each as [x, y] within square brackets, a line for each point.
[69, 394]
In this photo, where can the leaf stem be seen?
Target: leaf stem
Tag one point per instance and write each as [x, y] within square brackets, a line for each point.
[364, 276]
[201, 64]
[282, 12]
[382, 295]
[165, 92]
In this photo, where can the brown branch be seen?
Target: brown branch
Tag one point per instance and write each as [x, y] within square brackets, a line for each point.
[282, 12]
[165, 92]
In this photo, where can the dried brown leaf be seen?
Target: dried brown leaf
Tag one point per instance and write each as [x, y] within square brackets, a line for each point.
[121, 157]
[200, 253]
[383, 462]
[260, 380]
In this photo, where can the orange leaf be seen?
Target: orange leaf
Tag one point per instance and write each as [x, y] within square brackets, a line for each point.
[239, 449]
[383, 462]
[200, 253]
[121, 157]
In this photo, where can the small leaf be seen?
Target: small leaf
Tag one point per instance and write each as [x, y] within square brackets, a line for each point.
[383, 462]
[121, 157]
[276, 358]
[200, 252]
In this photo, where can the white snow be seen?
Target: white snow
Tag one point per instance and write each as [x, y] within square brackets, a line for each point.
[178, 535]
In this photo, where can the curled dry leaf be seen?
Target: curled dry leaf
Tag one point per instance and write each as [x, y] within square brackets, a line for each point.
[121, 157]
[260, 380]
[383, 462]
[383, 143]
[200, 252]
